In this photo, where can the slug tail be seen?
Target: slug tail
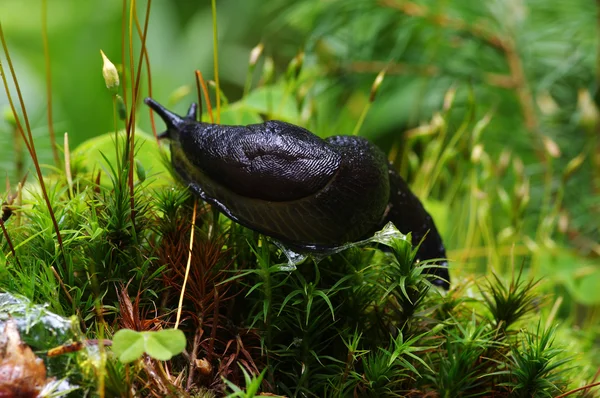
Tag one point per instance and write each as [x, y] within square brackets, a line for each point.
[172, 120]
[408, 215]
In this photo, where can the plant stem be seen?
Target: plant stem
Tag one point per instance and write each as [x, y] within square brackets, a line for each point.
[187, 267]
[48, 82]
[28, 143]
[216, 59]
[202, 83]
[19, 163]
[146, 59]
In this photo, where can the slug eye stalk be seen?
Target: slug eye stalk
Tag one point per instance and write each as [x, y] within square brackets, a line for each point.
[173, 121]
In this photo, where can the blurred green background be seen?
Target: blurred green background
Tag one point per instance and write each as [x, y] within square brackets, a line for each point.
[497, 187]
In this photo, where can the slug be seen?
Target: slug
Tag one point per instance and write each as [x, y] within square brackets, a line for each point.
[283, 181]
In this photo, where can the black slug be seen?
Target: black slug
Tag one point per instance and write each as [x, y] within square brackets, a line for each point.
[312, 194]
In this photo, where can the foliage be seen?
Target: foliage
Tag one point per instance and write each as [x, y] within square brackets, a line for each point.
[129, 345]
[104, 235]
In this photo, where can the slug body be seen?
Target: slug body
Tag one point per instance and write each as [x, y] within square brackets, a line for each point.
[285, 182]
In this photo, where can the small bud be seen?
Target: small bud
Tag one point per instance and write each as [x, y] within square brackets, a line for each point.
[480, 126]
[505, 234]
[295, 66]
[531, 244]
[503, 162]
[504, 199]
[9, 117]
[437, 121]
[588, 111]
[551, 147]
[302, 93]
[518, 167]
[563, 222]
[121, 109]
[479, 194]
[449, 98]
[376, 84]
[255, 54]
[522, 195]
[178, 94]
[476, 153]
[547, 104]
[110, 74]
[573, 165]
[420, 131]
[140, 170]
[549, 242]
[268, 71]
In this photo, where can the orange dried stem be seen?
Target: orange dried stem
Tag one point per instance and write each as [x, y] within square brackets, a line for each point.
[123, 74]
[199, 93]
[130, 131]
[206, 97]
[216, 58]
[146, 60]
[578, 389]
[28, 141]
[8, 240]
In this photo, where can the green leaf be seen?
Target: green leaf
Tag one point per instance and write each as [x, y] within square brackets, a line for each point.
[130, 345]
[288, 298]
[165, 344]
[324, 297]
[587, 289]
[95, 153]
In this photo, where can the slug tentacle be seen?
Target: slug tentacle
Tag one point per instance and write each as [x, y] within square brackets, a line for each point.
[285, 182]
[173, 121]
[192, 113]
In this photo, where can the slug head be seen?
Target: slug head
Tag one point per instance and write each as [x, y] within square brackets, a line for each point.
[173, 121]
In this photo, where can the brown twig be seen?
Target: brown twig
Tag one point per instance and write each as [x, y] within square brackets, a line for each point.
[400, 68]
[578, 389]
[8, 240]
[516, 80]
[213, 333]
[123, 74]
[416, 10]
[129, 127]
[62, 285]
[194, 356]
[393, 68]
[142, 35]
[29, 138]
